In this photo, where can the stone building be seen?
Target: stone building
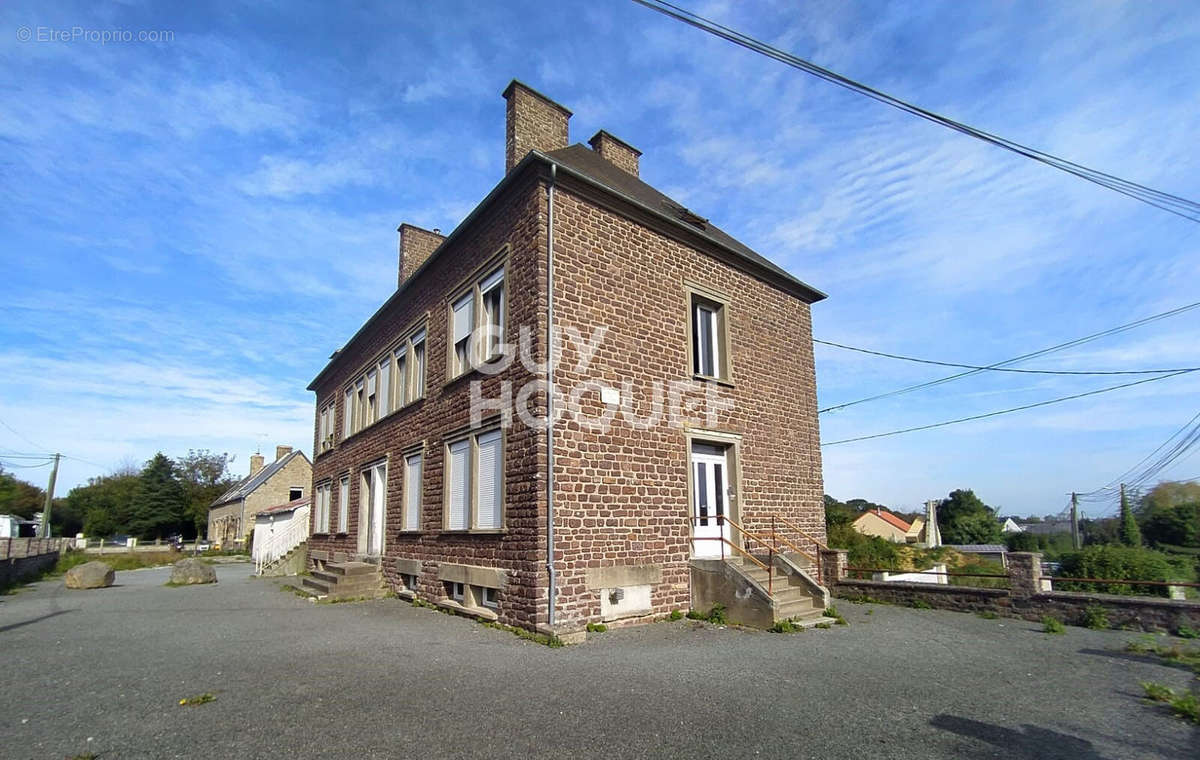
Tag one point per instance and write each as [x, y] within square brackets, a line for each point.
[289, 477]
[683, 425]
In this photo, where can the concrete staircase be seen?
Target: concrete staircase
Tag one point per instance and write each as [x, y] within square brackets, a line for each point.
[345, 580]
[791, 602]
[753, 597]
[292, 563]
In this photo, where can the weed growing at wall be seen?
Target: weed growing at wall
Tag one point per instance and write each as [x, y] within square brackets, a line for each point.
[1052, 625]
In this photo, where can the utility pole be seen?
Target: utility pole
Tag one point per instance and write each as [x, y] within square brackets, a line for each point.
[49, 498]
[1075, 542]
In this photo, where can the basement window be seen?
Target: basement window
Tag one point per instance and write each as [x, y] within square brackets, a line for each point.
[455, 591]
[487, 597]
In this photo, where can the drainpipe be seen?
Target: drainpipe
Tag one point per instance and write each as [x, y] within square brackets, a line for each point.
[552, 590]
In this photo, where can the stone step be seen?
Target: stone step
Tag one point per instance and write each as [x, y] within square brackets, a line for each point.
[797, 609]
[352, 568]
[316, 585]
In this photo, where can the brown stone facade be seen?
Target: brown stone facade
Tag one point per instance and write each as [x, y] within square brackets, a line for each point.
[621, 495]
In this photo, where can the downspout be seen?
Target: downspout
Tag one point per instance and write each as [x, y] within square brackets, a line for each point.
[552, 590]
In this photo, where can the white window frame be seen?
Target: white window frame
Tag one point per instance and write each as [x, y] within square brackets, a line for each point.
[321, 499]
[375, 392]
[411, 513]
[471, 486]
[483, 593]
[325, 427]
[712, 308]
[344, 504]
[483, 340]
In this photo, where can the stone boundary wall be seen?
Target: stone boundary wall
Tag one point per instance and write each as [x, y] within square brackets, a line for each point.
[1025, 599]
[22, 558]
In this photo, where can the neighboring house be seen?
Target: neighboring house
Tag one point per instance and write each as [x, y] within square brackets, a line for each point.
[289, 477]
[1009, 525]
[1046, 527]
[884, 524]
[12, 526]
[278, 530]
[990, 552]
[496, 515]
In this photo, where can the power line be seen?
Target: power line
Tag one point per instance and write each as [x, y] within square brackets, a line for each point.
[1014, 360]
[1173, 204]
[1121, 478]
[993, 368]
[1005, 411]
[27, 466]
[22, 437]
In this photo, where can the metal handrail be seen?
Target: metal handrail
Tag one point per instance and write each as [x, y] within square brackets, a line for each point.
[721, 520]
[815, 557]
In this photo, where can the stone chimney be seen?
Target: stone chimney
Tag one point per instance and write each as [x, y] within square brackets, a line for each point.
[282, 451]
[532, 122]
[416, 246]
[256, 463]
[616, 151]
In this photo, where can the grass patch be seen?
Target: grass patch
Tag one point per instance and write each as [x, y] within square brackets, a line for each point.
[551, 641]
[823, 626]
[864, 599]
[1052, 625]
[1187, 632]
[597, 628]
[1095, 617]
[785, 626]
[920, 604]
[1176, 655]
[675, 615]
[987, 615]
[1186, 705]
[832, 612]
[199, 699]
[716, 615]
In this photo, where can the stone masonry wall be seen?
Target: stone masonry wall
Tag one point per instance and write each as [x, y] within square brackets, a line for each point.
[621, 495]
[518, 220]
[296, 473]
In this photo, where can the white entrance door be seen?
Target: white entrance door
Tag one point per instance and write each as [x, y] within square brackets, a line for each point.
[710, 500]
[375, 502]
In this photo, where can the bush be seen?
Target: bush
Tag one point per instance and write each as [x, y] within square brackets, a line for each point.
[784, 626]
[1095, 617]
[1187, 632]
[675, 615]
[1121, 563]
[1052, 625]
[717, 614]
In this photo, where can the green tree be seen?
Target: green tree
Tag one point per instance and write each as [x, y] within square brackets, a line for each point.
[963, 518]
[160, 500]
[105, 503]
[1170, 514]
[1113, 562]
[20, 498]
[1131, 534]
[205, 476]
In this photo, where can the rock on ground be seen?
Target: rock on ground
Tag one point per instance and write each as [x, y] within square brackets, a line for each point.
[190, 571]
[90, 575]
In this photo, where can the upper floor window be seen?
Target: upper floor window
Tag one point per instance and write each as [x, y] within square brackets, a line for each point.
[709, 347]
[477, 324]
[320, 507]
[391, 382]
[325, 419]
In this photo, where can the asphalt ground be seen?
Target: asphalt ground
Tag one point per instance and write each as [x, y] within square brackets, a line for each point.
[103, 672]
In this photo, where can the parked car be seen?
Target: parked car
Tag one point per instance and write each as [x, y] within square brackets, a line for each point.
[203, 546]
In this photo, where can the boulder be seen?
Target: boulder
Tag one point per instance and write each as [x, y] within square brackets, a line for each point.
[90, 575]
[190, 571]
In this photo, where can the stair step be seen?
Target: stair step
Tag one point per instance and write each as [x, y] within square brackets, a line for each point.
[316, 585]
[352, 568]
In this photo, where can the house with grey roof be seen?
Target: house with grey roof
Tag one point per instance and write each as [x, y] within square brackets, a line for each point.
[288, 478]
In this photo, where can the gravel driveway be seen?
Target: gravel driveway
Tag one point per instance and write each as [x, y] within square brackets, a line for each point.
[383, 679]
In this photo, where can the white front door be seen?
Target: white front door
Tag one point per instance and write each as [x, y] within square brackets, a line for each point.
[710, 500]
[374, 481]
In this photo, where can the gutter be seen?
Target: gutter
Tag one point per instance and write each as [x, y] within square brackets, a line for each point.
[552, 587]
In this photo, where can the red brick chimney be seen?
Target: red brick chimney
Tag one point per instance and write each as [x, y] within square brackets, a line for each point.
[616, 151]
[416, 245]
[532, 122]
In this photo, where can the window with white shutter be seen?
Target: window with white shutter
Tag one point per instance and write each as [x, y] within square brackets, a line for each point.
[417, 383]
[344, 504]
[385, 387]
[458, 477]
[489, 466]
[401, 357]
[491, 297]
[348, 414]
[412, 492]
[462, 323]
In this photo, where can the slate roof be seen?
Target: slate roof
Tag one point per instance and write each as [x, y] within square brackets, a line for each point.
[979, 548]
[246, 486]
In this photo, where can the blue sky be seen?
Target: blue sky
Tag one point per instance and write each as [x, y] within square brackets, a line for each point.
[190, 228]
